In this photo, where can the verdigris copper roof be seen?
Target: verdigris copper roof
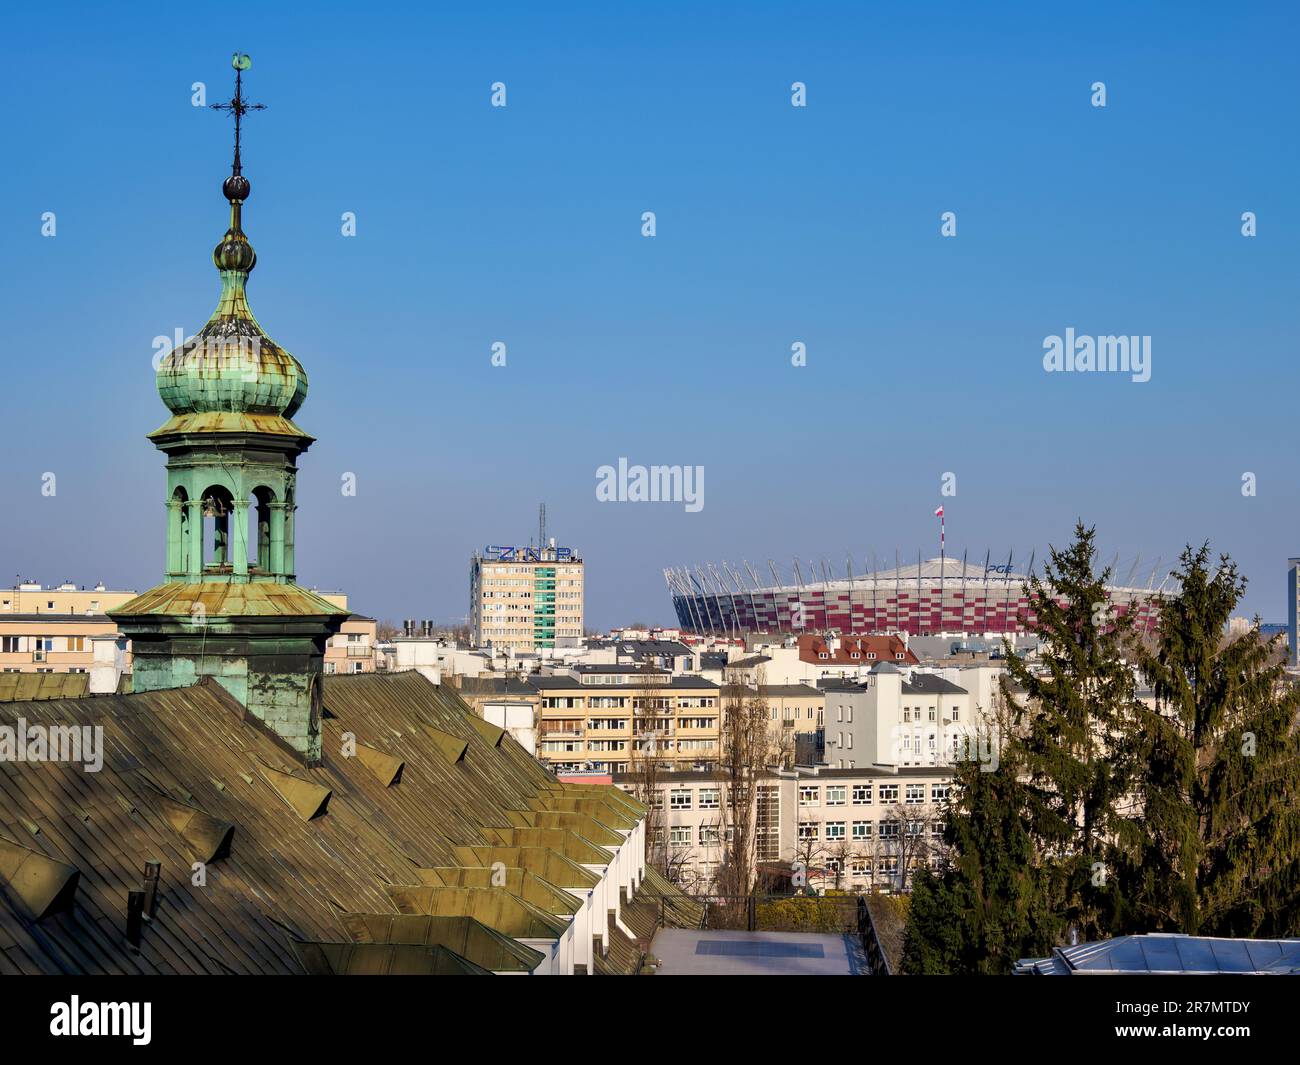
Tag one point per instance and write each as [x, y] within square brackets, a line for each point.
[231, 368]
[216, 599]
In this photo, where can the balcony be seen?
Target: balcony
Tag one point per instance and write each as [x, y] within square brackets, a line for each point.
[359, 650]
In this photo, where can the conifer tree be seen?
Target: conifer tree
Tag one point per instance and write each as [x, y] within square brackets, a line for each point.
[1069, 739]
[1219, 787]
[986, 908]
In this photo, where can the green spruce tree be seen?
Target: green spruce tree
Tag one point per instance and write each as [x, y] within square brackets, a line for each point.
[985, 908]
[1218, 795]
[1072, 712]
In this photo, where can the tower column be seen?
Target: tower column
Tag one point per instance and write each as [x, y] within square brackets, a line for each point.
[277, 538]
[194, 559]
[289, 523]
[175, 546]
[239, 542]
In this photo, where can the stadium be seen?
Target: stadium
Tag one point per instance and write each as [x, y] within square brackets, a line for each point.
[939, 595]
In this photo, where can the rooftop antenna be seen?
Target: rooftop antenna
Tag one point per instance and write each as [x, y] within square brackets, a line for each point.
[541, 526]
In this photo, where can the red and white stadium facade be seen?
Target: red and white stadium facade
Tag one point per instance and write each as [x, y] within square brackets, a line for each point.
[931, 597]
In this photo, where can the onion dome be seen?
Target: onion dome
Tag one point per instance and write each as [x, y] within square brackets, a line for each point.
[231, 365]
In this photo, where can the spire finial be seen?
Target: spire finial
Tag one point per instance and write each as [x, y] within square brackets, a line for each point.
[235, 253]
[236, 187]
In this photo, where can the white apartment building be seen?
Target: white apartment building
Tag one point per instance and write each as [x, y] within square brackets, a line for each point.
[908, 719]
[850, 829]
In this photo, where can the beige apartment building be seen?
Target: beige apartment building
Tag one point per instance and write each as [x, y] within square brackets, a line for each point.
[352, 649]
[50, 643]
[526, 598]
[606, 717]
[32, 598]
[49, 630]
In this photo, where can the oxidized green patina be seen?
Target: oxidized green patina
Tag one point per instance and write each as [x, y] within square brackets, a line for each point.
[229, 607]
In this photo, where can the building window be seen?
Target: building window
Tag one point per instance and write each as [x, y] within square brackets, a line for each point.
[834, 829]
[889, 830]
[710, 798]
[807, 795]
[915, 794]
[861, 829]
[835, 795]
[710, 836]
[939, 792]
[807, 829]
[679, 799]
[680, 835]
[861, 794]
[889, 793]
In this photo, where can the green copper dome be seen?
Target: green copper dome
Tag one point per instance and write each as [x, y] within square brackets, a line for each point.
[231, 365]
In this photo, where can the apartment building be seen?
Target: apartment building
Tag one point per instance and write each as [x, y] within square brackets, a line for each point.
[849, 829]
[526, 598]
[50, 630]
[29, 597]
[606, 716]
[914, 718]
[50, 643]
[792, 707]
[353, 648]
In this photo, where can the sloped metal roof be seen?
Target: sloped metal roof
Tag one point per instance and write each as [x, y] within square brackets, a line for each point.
[285, 881]
[24, 687]
[217, 599]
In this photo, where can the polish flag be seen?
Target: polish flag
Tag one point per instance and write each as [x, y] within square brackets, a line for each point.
[939, 513]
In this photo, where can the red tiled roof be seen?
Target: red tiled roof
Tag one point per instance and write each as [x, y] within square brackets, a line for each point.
[884, 648]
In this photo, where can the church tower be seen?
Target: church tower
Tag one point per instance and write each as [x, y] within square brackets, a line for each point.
[228, 607]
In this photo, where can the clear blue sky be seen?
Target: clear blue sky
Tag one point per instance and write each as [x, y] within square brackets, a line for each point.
[775, 224]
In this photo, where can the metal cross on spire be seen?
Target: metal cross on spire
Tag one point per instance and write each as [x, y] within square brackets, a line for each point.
[238, 106]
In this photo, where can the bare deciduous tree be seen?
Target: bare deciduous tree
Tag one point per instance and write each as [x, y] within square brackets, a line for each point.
[651, 733]
[809, 853]
[743, 759]
[905, 835]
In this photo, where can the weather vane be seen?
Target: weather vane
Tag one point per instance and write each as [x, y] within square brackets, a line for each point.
[238, 106]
